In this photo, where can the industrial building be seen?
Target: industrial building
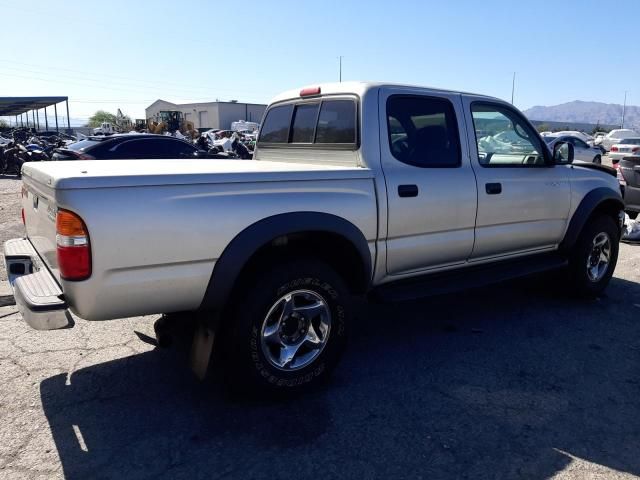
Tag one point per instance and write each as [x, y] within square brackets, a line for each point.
[211, 114]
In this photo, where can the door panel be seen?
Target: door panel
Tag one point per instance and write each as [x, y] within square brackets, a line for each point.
[431, 188]
[530, 211]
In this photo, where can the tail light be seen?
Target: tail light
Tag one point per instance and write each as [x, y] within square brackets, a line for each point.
[84, 156]
[614, 149]
[73, 248]
[24, 222]
[620, 177]
[634, 150]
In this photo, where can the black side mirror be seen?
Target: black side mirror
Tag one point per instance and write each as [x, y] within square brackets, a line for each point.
[563, 153]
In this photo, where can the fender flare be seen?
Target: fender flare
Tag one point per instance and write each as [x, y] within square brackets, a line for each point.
[237, 253]
[588, 205]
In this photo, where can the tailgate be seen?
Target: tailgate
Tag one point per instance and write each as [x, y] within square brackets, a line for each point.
[38, 202]
[630, 169]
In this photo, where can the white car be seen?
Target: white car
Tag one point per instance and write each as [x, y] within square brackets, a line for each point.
[626, 147]
[614, 136]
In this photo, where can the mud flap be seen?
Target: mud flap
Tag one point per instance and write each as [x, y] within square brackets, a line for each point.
[201, 350]
[202, 346]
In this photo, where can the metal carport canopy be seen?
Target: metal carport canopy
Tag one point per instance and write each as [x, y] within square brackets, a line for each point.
[11, 106]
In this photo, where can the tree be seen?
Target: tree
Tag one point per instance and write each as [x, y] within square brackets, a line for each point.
[101, 116]
[543, 127]
[3, 124]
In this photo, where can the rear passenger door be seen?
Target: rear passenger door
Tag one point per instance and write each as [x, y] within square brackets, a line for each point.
[431, 188]
[523, 199]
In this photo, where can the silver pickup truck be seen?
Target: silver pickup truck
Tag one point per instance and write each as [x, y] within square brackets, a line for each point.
[390, 191]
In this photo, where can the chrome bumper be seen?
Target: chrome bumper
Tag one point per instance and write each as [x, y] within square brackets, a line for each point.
[38, 296]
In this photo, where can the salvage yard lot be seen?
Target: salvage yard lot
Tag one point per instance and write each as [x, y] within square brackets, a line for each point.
[510, 381]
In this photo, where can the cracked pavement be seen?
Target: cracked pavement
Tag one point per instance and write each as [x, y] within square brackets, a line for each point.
[510, 381]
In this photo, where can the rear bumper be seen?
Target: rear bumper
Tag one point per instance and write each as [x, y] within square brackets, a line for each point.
[38, 296]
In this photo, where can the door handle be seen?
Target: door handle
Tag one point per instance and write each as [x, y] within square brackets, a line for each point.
[408, 190]
[493, 188]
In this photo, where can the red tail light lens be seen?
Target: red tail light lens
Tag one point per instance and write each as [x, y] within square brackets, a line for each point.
[634, 150]
[614, 149]
[84, 156]
[24, 221]
[73, 248]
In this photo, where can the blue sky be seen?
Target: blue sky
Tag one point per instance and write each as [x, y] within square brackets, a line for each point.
[127, 54]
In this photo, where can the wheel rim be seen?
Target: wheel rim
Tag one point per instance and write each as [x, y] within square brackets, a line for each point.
[599, 257]
[295, 330]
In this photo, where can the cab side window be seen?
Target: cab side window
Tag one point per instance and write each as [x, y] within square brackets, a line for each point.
[504, 139]
[423, 131]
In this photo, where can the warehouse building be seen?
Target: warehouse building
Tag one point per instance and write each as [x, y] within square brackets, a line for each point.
[211, 114]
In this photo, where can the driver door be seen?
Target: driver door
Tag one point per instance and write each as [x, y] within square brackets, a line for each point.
[523, 200]
[581, 150]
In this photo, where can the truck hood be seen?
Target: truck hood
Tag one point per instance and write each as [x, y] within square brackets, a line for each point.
[66, 175]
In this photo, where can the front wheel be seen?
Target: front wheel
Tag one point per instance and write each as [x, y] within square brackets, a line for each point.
[594, 256]
[597, 159]
[289, 327]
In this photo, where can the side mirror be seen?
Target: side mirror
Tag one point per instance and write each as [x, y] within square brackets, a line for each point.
[563, 153]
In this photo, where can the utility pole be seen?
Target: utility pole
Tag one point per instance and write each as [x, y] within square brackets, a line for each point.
[340, 68]
[624, 107]
[513, 86]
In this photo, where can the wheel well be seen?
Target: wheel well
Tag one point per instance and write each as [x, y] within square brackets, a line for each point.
[611, 208]
[332, 248]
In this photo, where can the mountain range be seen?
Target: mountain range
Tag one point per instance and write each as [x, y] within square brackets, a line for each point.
[579, 111]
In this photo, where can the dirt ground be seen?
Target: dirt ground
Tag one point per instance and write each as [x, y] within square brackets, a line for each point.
[510, 381]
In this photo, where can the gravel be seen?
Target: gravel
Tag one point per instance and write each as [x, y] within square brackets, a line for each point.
[511, 381]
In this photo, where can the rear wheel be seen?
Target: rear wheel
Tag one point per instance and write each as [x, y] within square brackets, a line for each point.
[289, 327]
[594, 257]
[597, 159]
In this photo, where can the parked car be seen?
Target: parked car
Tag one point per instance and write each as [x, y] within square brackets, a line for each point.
[626, 146]
[614, 136]
[629, 176]
[585, 137]
[582, 151]
[128, 146]
[389, 191]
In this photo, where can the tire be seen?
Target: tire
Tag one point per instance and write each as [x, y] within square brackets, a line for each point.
[597, 159]
[260, 335]
[591, 282]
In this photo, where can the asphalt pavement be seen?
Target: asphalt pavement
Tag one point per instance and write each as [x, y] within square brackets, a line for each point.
[512, 381]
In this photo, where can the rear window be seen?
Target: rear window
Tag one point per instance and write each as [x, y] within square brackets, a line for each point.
[276, 125]
[82, 145]
[304, 123]
[630, 141]
[328, 122]
[337, 122]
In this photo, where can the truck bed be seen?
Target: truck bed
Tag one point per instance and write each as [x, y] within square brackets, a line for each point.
[133, 173]
[157, 227]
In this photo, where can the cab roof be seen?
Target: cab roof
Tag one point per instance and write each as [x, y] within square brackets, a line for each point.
[361, 88]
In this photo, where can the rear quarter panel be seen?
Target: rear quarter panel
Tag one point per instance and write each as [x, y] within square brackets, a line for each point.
[154, 247]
